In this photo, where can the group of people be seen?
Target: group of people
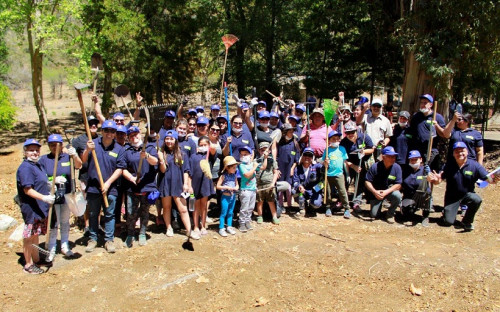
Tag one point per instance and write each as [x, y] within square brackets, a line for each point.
[240, 161]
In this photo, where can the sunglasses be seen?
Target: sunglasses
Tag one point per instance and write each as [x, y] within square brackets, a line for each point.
[119, 120]
[237, 123]
[350, 132]
[109, 130]
[192, 124]
[214, 129]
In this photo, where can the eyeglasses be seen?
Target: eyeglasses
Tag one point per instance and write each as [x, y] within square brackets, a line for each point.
[214, 129]
[109, 130]
[237, 123]
[192, 124]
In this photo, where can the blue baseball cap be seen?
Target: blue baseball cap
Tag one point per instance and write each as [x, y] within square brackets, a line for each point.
[274, 115]
[264, 114]
[202, 120]
[172, 134]
[31, 142]
[244, 105]
[389, 150]
[334, 133]
[109, 124]
[414, 154]
[200, 109]
[300, 107]
[132, 129]
[192, 111]
[117, 115]
[54, 138]
[297, 119]
[362, 100]
[428, 97]
[246, 148]
[261, 103]
[459, 145]
[221, 117]
[215, 107]
[121, 128]
[308, 150]
[170, 113]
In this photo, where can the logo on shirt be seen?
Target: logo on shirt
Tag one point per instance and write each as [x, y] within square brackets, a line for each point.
[187, 147]
[244, 141]
[469, 137]
[391, 177]
[293, 153]
[419, 177]
[112, 154]
[467, 172]
[66, 164]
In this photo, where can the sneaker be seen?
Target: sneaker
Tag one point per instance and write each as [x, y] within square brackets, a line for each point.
[356, 208]
[209, 220]
[66, 251]
[52, 254]
[231, 230]
[195, 235]
[242, 228]
[129, 241]
[110, 247]
[203, 232]
[33, 269]
[390, 220]
[86, 232]
[170, 232]
[142, 240]
[328, 212]
[468, 227]
[347, 214]
[91, 245]
[425, 222]
[248, 225]
[260, 220]
[222, 232]
[276, 220]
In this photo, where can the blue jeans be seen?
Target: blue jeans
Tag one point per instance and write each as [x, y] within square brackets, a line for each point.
[226, 212]
[473, 202]
[95, 203]
[394, 198]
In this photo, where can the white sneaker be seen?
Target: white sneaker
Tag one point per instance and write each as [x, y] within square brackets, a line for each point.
[231, 230]
[222, 232]
[170, 232]
[66, 251]
[52, 254]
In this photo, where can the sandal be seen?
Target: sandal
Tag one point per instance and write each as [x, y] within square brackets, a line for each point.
[33, 269]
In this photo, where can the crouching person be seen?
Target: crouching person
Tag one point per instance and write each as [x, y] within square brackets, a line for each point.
[383, 181]
[306, 183]
[461, 175]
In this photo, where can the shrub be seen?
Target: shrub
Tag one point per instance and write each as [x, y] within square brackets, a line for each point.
[7, 108]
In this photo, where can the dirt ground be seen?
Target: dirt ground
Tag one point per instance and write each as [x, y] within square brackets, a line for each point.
[303, 264]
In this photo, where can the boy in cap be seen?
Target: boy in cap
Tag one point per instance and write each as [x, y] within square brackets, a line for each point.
[383, 181]
[248, 188]
[334, 160]
[266, 180]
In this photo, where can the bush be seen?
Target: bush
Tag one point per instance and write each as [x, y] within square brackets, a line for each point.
[7, 108]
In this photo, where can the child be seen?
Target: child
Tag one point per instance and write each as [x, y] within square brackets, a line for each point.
[288, 157]
[334, 160]
[174, 164]
[266, 180]
[228, 185]
[247, 169]
[202, 187]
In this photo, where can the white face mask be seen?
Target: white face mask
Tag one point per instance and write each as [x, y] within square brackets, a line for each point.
[33, 159]
[139, 143]
[415, 165]
[424, 110]
[264, 125]
[203, 149]
[199, 114]
[182, 134]
[402, 124]
[245, 159]
[237, 130]
[334, 145]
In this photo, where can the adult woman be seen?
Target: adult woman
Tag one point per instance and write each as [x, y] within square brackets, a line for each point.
[63, 185]
[35, 200]
[288, 157]
[237, 138]
[315, 134]
[191, 130]
[215, 149]
[458, 130]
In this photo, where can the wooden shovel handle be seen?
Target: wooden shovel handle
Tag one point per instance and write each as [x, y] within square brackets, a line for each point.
[94, 155]
[431, 138]
[52, 192]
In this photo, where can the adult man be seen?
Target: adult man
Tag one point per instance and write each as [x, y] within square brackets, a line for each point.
[383, 181]
[400, 137]
[111, 163]
[421, 127]
[214, 112]
[461, 176]
[378, 127]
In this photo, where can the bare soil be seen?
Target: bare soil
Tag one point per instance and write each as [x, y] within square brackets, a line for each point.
[303, 264]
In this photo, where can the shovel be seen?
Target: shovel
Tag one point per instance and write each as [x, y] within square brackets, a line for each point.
[75, 200]
[122, 98]
[96, 66]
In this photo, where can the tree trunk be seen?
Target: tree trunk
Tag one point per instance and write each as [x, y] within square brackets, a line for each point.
[36, 58]
[416, 82]
[270, 55]
[240, 68]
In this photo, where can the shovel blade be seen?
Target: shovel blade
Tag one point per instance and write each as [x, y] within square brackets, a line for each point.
[76, 203]
[80, 86]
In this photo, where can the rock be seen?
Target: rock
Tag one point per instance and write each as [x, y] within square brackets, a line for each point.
[415, 291]
[17, 235]
[6, 222]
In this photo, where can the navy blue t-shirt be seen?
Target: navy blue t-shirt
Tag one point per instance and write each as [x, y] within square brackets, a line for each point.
[471, 137]
[63, 168]
[147, 182]
[460, 181]
[110, 158]
[382, 178]
[412, 180]
[244, 139]
[399, 140]
[30, 174]
[420, 127]
[352, 146]
[188, 146]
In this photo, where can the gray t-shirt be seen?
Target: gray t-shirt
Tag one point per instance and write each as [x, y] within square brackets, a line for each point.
[266, 176]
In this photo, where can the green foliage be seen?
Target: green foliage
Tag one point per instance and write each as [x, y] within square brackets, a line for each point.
[7, 109]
